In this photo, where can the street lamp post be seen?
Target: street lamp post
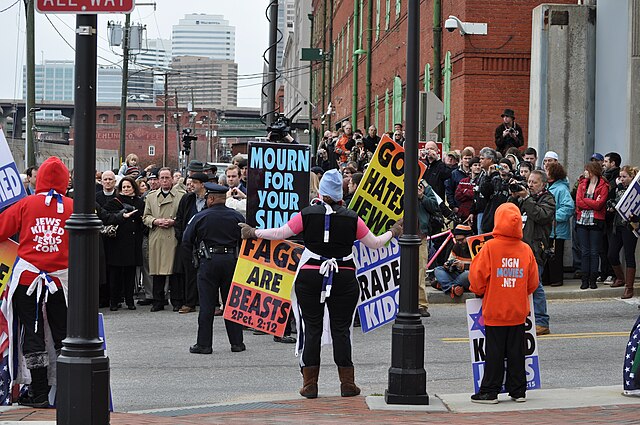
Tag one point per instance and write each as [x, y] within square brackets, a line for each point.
[407, 377]
[83, 368]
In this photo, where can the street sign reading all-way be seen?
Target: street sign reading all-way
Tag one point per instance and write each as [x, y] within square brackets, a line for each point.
[85, 6]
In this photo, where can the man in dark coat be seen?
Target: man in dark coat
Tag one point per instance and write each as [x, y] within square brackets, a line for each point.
[437, 172]
[509, 133]
[190, 204]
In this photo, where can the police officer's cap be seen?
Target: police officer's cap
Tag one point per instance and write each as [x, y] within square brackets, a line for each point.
[201, 177]
[215, 188]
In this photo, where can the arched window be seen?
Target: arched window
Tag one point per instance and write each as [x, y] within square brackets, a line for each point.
[116, 118]
[146, 117]
[102, 118]
[132, 117]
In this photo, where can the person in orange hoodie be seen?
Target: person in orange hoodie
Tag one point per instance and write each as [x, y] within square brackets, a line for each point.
[504, 273]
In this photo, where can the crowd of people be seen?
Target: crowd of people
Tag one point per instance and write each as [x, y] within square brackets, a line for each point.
[462, 190]
[149, 249]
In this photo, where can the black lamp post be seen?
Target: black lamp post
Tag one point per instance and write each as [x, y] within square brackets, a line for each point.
[407, 377]
[83, 368]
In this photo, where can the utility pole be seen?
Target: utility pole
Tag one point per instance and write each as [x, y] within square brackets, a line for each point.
[29, 153]
[125, 85]
[407, 376]
[83, 367]
[271, 73]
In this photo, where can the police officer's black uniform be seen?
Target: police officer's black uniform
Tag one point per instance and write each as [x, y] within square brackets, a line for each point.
[216, 233]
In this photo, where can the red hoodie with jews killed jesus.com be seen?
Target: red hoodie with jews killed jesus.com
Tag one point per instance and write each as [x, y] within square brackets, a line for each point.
[44, 242]
[505, 271]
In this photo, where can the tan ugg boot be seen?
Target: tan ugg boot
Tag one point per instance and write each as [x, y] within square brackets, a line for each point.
[619, 276]
[348, 387]
[310, 381]
[628, 283]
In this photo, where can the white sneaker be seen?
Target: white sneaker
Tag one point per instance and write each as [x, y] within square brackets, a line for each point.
[609, 280]
[518, 399]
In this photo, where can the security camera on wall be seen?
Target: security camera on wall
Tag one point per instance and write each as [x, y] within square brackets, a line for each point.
[451, 25]
[466, 28]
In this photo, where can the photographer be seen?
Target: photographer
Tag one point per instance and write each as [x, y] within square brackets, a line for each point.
[453, 276]
[538, 209]
[495, 190]
[508, 134]
[359, 154]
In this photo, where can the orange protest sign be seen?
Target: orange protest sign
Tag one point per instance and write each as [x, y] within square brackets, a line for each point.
[260, 294]
[476, 242]
[8, 254]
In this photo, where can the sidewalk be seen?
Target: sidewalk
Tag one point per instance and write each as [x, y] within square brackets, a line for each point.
[555, 406]
[569, 291]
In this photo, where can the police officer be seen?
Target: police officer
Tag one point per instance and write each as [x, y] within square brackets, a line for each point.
[215, 232]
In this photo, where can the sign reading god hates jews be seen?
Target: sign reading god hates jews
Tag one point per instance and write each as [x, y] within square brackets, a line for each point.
[477, 339]
[11, 187]
[277, 183]
[260, 294]
[378, 200]
[378, 274]
[629, 205]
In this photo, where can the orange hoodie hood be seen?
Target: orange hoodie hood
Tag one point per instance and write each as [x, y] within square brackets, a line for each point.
[52, 174]
[508, 221]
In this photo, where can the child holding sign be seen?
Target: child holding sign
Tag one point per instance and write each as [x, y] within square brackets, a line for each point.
[504, 273]
[326, 274]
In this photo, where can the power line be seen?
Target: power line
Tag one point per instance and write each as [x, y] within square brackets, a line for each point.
[9, 7]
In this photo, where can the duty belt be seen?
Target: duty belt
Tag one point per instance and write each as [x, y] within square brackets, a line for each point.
[221, 249]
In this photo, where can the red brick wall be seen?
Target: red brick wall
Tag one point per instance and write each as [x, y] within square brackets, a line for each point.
[140, 134]
[490, 73]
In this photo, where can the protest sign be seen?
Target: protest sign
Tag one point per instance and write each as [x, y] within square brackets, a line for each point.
[476, 242]
[8, 254]
[378, 274]
[629, 205]
[277, 183]
[379, 197]
[11, 187]
[260, 294]
[477, 339]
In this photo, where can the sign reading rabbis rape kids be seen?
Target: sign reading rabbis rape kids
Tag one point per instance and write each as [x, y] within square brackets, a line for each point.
[277, 183]
[11, 187]
[378, 273]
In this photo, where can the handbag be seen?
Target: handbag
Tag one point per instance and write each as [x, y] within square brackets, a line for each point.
[110, 230]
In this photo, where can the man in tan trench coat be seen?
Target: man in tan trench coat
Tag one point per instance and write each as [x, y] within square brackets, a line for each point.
[159, 215]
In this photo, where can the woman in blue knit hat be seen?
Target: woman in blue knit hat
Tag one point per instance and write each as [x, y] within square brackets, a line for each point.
[326, 277]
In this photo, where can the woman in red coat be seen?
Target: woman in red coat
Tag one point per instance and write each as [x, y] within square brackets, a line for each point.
[591, 202]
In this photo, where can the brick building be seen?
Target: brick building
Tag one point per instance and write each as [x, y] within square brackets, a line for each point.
[489, 73]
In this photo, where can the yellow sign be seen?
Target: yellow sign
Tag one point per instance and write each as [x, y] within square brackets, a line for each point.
[260, 294]
[8, 254]
[378, 200]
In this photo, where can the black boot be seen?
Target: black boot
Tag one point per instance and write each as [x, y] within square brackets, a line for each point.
[592, 281]
[38, 395]
[585, 281]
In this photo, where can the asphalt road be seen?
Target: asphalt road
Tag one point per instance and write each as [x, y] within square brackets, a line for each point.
[151, 366]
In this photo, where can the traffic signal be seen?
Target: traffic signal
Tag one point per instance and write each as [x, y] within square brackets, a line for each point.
[187, 138]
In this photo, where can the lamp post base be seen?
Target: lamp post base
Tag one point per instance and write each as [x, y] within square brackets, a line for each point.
[407, 377]
[83, 390]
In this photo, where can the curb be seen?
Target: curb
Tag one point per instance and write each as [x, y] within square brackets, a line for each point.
[569, 291]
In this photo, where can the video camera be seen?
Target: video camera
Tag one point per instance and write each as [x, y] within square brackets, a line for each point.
[279, 129]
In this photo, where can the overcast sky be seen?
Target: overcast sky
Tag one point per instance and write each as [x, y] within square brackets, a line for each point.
[246, 15]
